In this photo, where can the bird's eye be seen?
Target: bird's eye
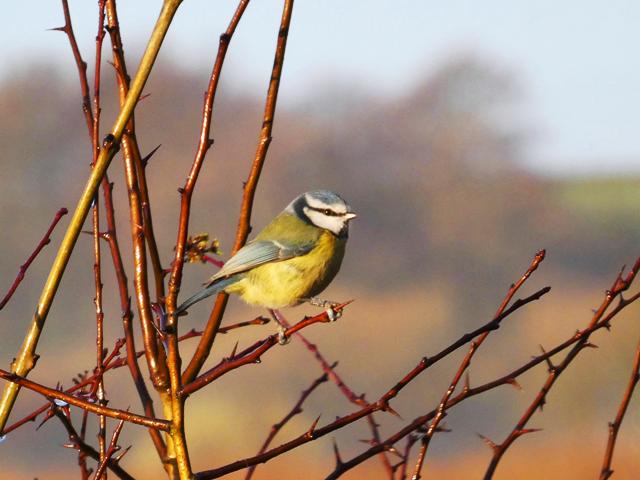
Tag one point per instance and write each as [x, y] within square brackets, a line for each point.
[327, 211]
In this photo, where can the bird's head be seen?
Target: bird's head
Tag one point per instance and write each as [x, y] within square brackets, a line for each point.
[324, 209]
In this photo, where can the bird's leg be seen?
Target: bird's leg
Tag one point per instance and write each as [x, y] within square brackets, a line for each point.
[327, 305]
[283, 339]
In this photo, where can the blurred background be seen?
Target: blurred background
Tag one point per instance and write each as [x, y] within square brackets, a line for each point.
[466, 135]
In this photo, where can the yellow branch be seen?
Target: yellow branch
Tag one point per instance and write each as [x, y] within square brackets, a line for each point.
[26, 357]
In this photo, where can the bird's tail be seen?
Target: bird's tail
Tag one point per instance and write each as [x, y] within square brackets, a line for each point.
[215, 287]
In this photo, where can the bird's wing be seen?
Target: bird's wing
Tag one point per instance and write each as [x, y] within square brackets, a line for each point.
[258, 253]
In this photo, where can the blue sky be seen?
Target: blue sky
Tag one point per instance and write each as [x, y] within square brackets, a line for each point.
[575, 61]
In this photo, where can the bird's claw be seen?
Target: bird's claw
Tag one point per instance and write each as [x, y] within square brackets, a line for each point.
[283, 338]
[333, 314]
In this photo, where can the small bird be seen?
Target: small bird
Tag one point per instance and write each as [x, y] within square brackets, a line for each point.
[291, 260]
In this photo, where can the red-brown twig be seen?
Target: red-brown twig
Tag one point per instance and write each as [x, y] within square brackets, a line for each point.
[130, 144]
[411, 440]
[82, 382]
[473, 348]
[23, 268]
[108, 455]
[349, 394]
[204, 143]
[614, 427]
[206, 341]
[91, 407]
[242, 232]
[154, 353]
[381, 405]
[127, 316]
[619, 286]
[253, 353]
[256, 321]
[114, 361]
[97, 260]
[80, 64]
[508, 379]
[76, 442]
[297, 409]
[107, 187]
[176, 379]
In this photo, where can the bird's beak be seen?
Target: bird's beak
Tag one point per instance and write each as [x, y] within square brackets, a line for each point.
[350, 216]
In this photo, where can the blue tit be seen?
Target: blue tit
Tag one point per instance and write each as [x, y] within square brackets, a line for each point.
[291, 260]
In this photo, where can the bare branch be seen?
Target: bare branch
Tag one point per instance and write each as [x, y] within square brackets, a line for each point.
[466, 362]
[111, 451]
[242, 232]
[620, 285]
[614, 427]
[297, 409]
[91, 407]
[253, 353]
[23, 268]
[77, 443]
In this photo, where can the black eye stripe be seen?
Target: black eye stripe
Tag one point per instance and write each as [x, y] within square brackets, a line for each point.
[326, 211]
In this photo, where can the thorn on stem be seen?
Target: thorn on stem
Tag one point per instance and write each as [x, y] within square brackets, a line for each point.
[312, 428]
[551, 368]
[514, 383]
[543, 402]
[336, 452]
[489, 442]
[145, 160]
[524, 431]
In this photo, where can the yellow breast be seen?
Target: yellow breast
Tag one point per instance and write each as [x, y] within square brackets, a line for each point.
[287, 283]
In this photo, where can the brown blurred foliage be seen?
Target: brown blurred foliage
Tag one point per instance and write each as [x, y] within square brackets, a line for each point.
[448, 217]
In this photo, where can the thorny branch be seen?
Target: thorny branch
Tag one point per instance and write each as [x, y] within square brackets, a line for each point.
[253, 354]
[466, 361]
[76, 442]
[249, 190]
[26, 356]
[205, 142]
[85, 405]
[381, 405]
[620, 285]
[348, 393]
[114, 361]
[508, 379]
[98, 388]
[110, 235]
[614, 427]
[111, 451]
[297, 409]
[23, 268]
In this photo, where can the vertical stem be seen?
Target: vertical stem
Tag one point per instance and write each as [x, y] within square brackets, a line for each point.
[154, 352]
[129, 134]
[26, 356]
[614, 427]
[127, 317]
[209, 334]
[102, 421]
[131, 147]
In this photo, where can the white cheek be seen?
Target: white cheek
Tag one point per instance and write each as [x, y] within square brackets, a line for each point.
[323, 221]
